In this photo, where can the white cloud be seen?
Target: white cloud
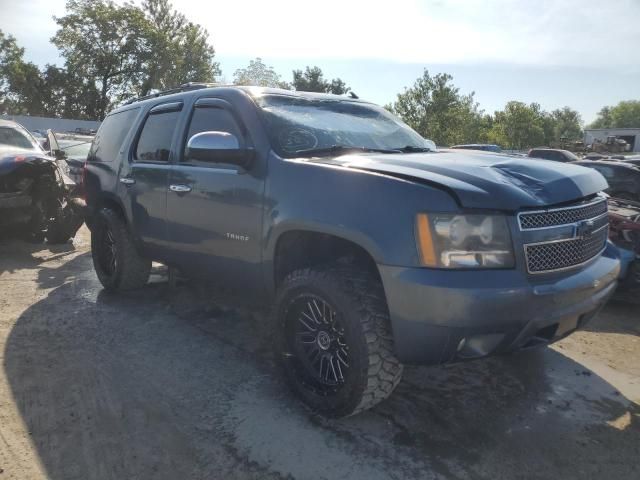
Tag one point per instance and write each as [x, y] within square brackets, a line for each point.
[561, 32]
[533, 32]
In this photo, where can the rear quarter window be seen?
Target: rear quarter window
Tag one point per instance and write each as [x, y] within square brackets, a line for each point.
[112, 132]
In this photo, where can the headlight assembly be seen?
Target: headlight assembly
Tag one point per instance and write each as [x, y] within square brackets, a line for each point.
[464, 241]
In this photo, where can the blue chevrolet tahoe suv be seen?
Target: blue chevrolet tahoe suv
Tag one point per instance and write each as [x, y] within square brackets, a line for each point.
[374, 250]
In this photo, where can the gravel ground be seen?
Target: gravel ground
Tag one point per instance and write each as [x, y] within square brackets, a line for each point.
[180, 383]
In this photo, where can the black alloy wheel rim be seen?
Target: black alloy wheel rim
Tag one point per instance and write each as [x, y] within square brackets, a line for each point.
[107, 252]
[317, 344]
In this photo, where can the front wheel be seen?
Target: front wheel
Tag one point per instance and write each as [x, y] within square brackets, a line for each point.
[334, 339]
[116, 260]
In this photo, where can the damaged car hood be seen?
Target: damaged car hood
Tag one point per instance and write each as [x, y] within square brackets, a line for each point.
[481, 180]
[12, 158]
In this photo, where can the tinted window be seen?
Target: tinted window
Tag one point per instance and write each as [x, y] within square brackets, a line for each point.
[571, 157]
[607, 172]
[154, 143]
[541, 154]
[212, 120]
[106, 145]
[551, 155]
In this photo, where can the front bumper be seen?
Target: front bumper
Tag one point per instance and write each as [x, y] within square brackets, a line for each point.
[441, 316]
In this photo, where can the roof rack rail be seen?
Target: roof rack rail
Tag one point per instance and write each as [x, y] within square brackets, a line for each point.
[185, 87]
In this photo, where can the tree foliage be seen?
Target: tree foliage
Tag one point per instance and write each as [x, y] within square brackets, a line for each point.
[519, 126]
[567, 123]
[437, 110]
[20, 81]
[312, 80]
[106, 42]
[625, 114]
[179, 50]
[112, 52]
[258, 74]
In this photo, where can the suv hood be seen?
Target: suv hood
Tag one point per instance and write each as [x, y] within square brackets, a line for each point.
[484, 180]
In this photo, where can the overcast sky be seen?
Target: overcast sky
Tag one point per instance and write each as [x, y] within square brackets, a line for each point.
[581, 53]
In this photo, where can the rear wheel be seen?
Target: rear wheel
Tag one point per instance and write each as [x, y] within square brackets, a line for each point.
[334, 339]
[116, 260]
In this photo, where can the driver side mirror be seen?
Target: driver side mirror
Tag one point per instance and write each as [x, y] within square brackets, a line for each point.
[219, 147]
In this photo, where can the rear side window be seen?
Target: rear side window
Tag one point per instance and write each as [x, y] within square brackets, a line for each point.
[112, 132]
[154, 143]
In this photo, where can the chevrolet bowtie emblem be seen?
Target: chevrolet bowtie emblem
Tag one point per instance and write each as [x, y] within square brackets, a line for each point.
[585, 228]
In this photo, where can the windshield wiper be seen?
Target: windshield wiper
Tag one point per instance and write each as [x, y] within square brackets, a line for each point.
[342, 149]
[414, 149]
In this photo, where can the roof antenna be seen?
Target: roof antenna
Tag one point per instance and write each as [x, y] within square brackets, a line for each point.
[352, 94]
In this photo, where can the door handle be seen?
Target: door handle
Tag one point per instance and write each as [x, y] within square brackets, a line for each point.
[127, 180]
[180, 188]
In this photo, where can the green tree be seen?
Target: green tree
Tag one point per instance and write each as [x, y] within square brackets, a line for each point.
[549, 126]
[567, 123]
[105, 42]
[20, 81]
[625, 114]
[128, 50]
[604, 119]
[437, 110]
[312, 80]
[11, 56]
[179, 50]
[519, 126]
[68, 95]
[258, 74]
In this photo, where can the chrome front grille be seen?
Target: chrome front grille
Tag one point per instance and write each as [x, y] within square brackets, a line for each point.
[562, 216]
[568, 247]
[562, 254]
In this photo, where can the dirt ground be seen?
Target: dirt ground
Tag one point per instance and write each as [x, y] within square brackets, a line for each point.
[180, 383]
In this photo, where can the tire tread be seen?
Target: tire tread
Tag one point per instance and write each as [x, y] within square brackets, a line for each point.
[383, 369]
[135, 268]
